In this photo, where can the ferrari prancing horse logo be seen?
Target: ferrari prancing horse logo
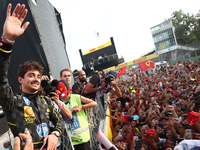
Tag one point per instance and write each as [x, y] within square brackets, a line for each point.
[148, 63]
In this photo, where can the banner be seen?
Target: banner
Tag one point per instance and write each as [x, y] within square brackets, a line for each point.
[136, 61]
[146, 65]
[85, 52]
[121, 71]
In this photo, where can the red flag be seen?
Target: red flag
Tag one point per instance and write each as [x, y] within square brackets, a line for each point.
[146, 65]
[121, 71]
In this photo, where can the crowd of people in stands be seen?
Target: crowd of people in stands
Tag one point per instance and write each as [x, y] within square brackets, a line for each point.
[159, 110]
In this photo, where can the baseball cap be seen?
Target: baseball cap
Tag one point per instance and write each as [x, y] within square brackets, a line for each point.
[119, 114]
[124, 119]
[164, 117]
[112, 74]
[150, 132]
[135, 117]
[193, 117]
[168, 113]
[63, 87]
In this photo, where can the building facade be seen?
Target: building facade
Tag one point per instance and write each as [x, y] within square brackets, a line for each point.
[165, 43]
[163, 36]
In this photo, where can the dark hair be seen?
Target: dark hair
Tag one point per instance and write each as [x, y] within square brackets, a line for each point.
[29, 65]
[125, 123]
[171, 139]
[66, 69]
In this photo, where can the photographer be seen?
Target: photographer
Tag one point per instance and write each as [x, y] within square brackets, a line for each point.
[79, 86]
[98, 85]
[28, 109]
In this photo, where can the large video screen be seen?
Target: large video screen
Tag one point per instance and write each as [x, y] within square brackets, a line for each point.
[107, 48]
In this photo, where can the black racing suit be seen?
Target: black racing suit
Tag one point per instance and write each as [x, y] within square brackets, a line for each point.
[32, 111]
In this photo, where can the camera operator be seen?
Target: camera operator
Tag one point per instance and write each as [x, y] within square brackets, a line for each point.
[28, 109]
[98, 85]
[79, 86]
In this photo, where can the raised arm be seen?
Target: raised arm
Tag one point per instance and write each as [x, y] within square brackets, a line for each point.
[11, 30]
[88, 103]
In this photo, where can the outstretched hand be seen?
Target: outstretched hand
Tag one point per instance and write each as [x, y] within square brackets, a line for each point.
[28, 141]
[13, 27]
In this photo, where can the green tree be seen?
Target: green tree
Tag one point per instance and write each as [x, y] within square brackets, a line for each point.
[186, 27]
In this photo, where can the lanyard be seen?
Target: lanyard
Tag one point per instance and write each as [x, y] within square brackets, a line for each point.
[69, 102]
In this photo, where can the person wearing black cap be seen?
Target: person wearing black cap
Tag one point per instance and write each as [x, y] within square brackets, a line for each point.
[99, 85]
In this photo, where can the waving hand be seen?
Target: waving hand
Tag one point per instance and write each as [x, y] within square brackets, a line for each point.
[13, 27]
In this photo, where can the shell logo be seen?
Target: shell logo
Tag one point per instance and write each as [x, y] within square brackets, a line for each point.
[28, 111]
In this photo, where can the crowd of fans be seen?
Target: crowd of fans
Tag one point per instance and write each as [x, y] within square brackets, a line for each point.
[156, 110]
[159, 110]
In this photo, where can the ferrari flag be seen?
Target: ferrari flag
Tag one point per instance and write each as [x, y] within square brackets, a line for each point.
[145, 65]
[121, 71]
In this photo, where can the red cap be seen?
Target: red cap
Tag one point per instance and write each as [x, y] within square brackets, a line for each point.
[174, 91]
[150, 132]
[119, 114]
[124, 119]
[146, 79]
[156, 89]
[136, 94]
[114, 102]
[193, 117]
[62, 88]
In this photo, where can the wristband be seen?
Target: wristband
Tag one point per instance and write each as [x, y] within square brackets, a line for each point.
[100, 87]
[60, 103]
[7, 40]
[29, 140]
[82, 106]
[61, 107]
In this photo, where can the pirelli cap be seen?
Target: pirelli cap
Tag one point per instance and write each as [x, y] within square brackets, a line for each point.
[63, 88]
[150, 132]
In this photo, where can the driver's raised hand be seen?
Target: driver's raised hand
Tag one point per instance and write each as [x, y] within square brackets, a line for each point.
[13, 27]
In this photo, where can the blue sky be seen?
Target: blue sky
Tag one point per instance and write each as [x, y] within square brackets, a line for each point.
[127, 21]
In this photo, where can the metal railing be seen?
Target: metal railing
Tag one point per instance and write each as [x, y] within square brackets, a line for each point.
[96, 119]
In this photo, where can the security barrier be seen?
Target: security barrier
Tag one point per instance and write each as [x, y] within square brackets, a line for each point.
[95, 116]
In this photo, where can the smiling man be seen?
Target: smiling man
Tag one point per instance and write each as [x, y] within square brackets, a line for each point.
[28, 109]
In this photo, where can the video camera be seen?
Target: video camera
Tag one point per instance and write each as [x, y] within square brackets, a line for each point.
[49, 86]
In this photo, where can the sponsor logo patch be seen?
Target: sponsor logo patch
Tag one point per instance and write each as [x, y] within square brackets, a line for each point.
[29, 114]
[26, 101]
[42, 130]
